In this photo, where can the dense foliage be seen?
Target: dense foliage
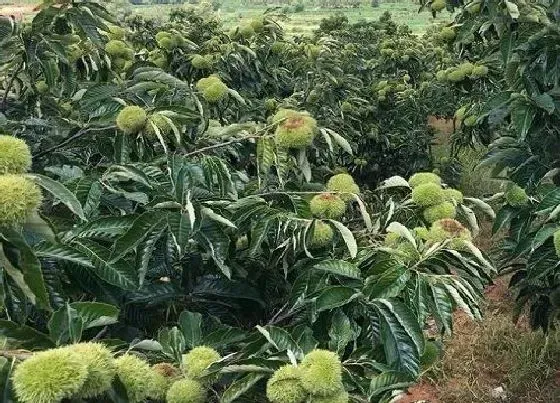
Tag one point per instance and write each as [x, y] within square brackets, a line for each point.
[205, 219]
[520, 121]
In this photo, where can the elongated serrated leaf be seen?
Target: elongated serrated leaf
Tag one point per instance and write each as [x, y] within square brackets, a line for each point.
[142, 227]
[60, 192]
[340, 332]
[16, 254]
[482, 205]
[341, 141]
[118, 273]
[22, 336]
[211, 214]
[240, 386]
[348, 238]
[387, 381]
[279, 338]
[334, 297]
[389, 284]
[394, 181]
[404, 232]
[339, 267]
[401, 334]
[64, 253]
[190, 324]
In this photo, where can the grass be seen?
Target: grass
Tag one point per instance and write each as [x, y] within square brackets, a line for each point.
[306, 21]
[497, 353]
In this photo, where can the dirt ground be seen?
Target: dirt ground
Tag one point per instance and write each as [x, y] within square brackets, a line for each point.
[19, 12]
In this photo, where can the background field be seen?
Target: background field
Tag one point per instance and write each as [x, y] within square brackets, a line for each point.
[234, 12]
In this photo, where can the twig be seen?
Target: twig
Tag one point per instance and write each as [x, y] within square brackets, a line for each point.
[101, 333]
[239, 140]
[10, 83]
[17, 354]
[227, 143]
[72, 138]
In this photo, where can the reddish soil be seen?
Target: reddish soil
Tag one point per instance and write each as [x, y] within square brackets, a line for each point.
[19, 12]
[427, 392]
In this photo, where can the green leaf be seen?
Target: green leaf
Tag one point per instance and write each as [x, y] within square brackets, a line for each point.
[142, 227]
[340, 332]
[64, 253]
[95, 314]
[341, 141]
[173, 343]
[334, 297]
[65, 326]
[546, 102]
[512, 8]
[348, 238]
[550, 201]
[340, 268]
[224, 336]
[180, 227]
[15, 254]
[60, 192]
[401, 334]
[503, 219]
[191, 326]
[240, 386]
[121, 274]
[522, 117]
[279, 338]
[388, 381]
[543, 235]
[389, 284]
[22, 336]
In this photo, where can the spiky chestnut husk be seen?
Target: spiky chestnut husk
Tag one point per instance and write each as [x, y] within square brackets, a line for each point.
[456, 76]
[161, 122]
[116, 32]
[516, 196]
[115, 48]
[421, 178]
[439, 212]
[327, 205]
[285, 386]
[270, 104]
[100, 365]
[132, 119]
[186, 391]
[345, 184]
[453, 195]
[42, 87]
[392, 239]
[201, 62]
[421, 232]
[15, 156]
[430, 355]
[295, 129]
[438, 5]
[19, 199]
[428, 194]
[470, 121]
[480, 71]
[466, 67]
[213, 89]
[460, 113]
[196, 361]
[322, 235]
[164, 376]
[448, 34]
[136, 376]
[321, 373]
[49, 376]
[341, 397]
[257, 24]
